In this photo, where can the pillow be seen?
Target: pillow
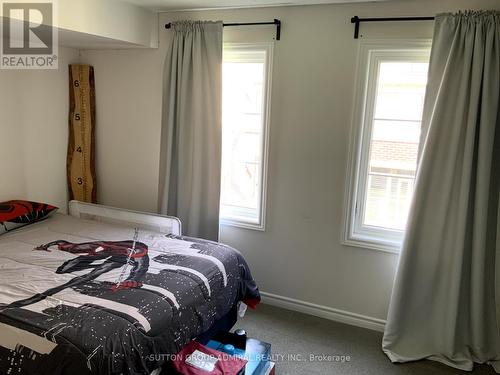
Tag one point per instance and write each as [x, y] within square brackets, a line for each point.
[17, 213]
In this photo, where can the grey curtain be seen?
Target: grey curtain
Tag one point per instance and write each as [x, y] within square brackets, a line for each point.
[190, 167]
[443, 304]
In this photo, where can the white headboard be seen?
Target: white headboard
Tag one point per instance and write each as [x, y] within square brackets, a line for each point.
[136, 219]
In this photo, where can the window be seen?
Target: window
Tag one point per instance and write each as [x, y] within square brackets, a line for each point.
[393, 79]
[245, 117]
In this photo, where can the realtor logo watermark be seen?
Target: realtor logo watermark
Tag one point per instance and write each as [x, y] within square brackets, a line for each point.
[29, 40]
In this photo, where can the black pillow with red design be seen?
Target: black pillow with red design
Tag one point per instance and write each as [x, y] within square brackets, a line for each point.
[14, 214]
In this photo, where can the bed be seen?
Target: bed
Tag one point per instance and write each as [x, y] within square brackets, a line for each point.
[109, 291]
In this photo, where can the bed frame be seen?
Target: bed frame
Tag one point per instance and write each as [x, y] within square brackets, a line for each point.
[137, 219]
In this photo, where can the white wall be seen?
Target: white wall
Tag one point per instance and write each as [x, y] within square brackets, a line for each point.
[88, 21]
[113, 19]
[128, 101]
[11, 137]
[300, 255]
[34, 132]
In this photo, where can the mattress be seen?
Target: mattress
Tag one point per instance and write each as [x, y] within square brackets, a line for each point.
[83, 297]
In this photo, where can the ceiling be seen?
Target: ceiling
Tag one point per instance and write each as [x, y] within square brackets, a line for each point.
[174, 5]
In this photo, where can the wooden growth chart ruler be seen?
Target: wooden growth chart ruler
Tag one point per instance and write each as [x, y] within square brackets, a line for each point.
[81, 155]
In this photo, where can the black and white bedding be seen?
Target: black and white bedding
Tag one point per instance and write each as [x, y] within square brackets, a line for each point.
[83, 297]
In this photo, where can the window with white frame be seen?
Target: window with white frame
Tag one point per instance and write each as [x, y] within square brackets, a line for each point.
[392, 81]
[245, 122]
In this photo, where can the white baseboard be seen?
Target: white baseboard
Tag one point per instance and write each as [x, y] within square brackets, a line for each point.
[325, 312]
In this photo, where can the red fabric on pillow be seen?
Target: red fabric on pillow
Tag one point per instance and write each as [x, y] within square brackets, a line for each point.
[24, 212]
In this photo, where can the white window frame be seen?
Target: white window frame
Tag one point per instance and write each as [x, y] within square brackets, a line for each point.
[239, 220]
[371, 54]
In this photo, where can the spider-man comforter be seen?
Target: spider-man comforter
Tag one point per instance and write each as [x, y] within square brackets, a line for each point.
[81, 297]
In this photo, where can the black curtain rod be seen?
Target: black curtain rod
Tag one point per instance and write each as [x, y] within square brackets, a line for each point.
[275, 22]
[356, 21]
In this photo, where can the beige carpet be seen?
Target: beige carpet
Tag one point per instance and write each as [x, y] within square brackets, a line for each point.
[296, 336]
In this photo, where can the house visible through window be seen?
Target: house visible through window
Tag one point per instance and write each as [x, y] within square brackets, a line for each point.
[387, 144]
[246, 77]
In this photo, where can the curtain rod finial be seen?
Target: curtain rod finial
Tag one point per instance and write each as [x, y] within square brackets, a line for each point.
[355, 20]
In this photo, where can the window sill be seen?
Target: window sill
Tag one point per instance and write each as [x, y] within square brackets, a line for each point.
[372, 244]
[243, 225]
